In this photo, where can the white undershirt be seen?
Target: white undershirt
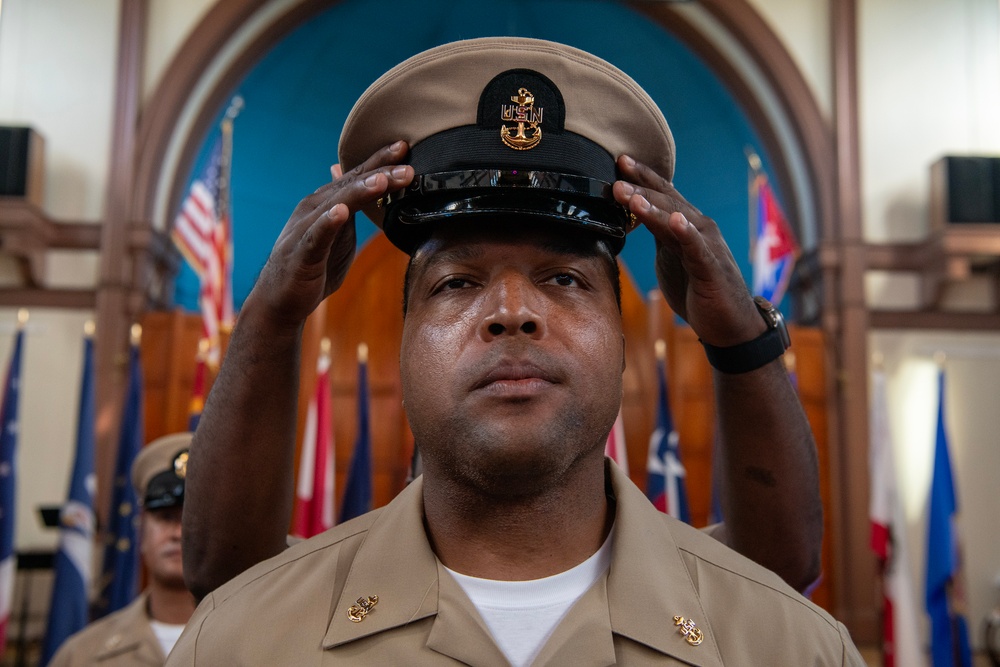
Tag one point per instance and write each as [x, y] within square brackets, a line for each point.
[167, 634]
[521, 615]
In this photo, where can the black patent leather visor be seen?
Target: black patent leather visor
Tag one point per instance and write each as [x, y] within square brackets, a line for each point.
[584, 203]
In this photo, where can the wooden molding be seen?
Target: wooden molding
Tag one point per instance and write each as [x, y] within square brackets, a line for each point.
[28, 234]
[83, 299]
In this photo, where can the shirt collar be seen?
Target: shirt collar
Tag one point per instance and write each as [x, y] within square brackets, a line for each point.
[647, 585]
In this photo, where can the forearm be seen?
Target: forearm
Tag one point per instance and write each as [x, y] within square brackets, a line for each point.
[239, 487]
[769, 478]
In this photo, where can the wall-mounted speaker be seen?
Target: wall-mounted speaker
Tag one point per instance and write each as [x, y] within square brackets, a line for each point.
[21, 163]
[965, 189]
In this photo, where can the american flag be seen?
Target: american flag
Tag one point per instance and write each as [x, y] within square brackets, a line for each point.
[203, 233]
[8, 483]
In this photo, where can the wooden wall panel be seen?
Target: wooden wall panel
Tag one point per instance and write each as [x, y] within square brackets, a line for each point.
[168, 352]
[368, 309]
[638, 404]
[809, 365]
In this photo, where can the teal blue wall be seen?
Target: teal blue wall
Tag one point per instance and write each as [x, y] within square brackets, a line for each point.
[299, 94]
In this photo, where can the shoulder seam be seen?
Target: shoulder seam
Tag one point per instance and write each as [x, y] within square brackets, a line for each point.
[797, 599]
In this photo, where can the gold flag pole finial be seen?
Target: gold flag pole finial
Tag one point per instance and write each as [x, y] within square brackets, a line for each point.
[661, 349]
[89, 328]
[939, 358]
[324, 346]
[22, 318]
[135, 334]
[362, 353]
[753, 159]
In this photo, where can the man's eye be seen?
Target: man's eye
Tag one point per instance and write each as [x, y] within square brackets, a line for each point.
[563, 279]
[455, 283]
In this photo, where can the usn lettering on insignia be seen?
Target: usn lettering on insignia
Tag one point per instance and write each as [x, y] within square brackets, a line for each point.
[528, 132]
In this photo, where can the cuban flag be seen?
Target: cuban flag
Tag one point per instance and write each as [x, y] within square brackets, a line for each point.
[69, 610]
[773, 246]
[664, 472]
[8, 482]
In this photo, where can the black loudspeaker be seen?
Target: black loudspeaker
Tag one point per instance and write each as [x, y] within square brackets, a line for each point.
[969, 188]
[21, 151]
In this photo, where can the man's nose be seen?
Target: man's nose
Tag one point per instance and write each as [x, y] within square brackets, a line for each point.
[513, 307]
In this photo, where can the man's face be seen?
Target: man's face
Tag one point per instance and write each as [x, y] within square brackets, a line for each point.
[161, 545]
[512, 355]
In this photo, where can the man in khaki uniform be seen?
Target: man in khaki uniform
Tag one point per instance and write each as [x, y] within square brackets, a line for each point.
[144, 632]
[510, 170]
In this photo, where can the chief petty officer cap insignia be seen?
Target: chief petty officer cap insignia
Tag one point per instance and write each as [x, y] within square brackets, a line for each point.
[504, 127]
[159, 471]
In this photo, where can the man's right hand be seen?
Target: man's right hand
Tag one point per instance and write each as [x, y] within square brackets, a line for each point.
[315, 249]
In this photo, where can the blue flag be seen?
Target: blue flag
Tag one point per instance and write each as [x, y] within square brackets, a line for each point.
[358, 494]
[119, 580]
[664, 472]
[715, 512]
[69, 610]
[8, 483]
[945, 599]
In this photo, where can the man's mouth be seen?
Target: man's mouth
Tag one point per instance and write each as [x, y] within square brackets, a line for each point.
[516, 376]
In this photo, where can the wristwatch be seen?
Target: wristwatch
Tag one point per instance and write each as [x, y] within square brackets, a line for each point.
[755, 353]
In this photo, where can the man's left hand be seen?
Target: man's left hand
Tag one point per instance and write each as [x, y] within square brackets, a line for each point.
[695, 269]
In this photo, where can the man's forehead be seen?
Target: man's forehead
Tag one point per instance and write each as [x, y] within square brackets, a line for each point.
[466, 243]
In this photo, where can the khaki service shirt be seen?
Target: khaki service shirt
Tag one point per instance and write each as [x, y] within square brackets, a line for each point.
[121, 639]
[293, 608]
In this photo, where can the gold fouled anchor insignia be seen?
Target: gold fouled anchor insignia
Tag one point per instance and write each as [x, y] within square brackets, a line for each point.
[181, 464]
[692, 635]
[357, 612]
[527, 117]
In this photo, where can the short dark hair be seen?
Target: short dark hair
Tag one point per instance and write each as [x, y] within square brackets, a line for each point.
[611, 264]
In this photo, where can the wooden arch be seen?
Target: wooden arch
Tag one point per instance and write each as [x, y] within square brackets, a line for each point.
[159, 125]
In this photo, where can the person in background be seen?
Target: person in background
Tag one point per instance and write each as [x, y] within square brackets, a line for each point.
[144, 632]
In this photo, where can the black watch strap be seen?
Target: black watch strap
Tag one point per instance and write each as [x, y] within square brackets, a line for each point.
[748, 356]
[753, 354]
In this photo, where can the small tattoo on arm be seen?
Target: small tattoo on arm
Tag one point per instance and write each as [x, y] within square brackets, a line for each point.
[761, 476]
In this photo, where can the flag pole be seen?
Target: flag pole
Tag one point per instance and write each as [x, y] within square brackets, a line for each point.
[223, 207]
[754, 172]
[225, 161]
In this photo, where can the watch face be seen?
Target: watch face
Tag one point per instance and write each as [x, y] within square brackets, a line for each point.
[774, 319]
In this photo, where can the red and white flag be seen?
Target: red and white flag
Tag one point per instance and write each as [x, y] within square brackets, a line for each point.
[614, 448]
[314, 495]
[900, 630]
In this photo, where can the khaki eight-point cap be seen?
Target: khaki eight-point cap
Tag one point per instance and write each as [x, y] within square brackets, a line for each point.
[503, 126]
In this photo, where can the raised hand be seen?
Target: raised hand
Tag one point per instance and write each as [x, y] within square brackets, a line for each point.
[316, 247]
[696, 271]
